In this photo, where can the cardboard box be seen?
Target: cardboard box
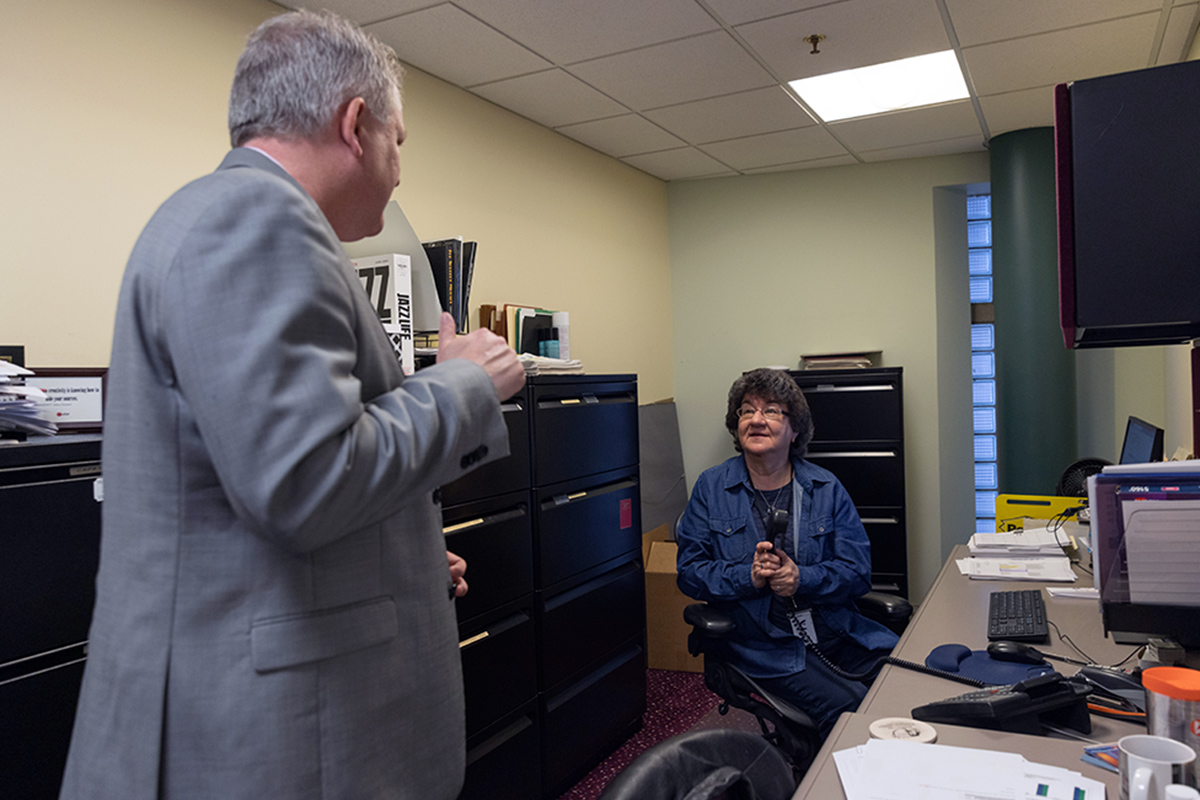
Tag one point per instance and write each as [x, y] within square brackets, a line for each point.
[666, 632]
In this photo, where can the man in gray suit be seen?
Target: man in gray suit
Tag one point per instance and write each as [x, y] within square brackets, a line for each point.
[272, 614]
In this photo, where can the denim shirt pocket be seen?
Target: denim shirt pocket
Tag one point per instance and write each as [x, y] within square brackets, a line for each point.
[819, 545]
[730, 537]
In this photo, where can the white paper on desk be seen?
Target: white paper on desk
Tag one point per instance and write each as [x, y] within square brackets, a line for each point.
[1049, 569]
[1031, 541]
[898, 770]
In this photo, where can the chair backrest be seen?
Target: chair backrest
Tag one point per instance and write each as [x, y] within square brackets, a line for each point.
[706, 765]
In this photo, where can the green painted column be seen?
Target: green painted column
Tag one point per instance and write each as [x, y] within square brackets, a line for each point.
[1035, 374]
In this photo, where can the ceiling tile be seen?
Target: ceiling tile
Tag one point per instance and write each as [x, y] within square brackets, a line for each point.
[362, 11]
[566, 31]
[783, 147]
[832, 161]
[686, 162]
[858, 33]
[676, 72]
[966, 144]
[1014, 111]
[552, 98]
[1178, 36]
[951, 120]
[622, 136]
[421, 39]
[743, 114]
[736, 12]
[976, 23]
[1069, 55]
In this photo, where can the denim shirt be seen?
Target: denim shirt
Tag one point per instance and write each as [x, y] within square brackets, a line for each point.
[716, 541]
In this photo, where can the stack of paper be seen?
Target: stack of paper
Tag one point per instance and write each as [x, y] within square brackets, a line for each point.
[1028, 542]
[22, 407]
[538, 365]
[885, 769]
[1035, 568]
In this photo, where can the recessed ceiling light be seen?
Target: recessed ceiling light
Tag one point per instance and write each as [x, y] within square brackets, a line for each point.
[907, 83]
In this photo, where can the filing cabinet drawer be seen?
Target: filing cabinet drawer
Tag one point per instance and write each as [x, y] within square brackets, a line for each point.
[496, 538]
[583, 624]
[582, 524]
[504, 761]
[872, 476]
[499, 668]
[851, 407]
[582, 427]
[885, 529]
[591, 717]
[504, 475]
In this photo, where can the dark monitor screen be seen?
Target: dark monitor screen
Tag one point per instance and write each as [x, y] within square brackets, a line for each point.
[1143, 442]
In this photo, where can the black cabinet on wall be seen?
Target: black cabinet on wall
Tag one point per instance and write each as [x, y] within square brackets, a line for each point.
[553, 628]
[858, 416]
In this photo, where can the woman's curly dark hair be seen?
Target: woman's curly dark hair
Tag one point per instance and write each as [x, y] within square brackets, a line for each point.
[772, 386]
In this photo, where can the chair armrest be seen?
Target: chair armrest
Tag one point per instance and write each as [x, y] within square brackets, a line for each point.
[707, 620]
[885, 608]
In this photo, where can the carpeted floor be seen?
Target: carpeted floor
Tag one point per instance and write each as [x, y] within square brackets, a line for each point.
[675, 702]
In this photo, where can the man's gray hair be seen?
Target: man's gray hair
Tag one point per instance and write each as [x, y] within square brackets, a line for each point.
[299, 68]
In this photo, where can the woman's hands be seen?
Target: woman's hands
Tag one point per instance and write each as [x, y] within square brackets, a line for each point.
[774, 568]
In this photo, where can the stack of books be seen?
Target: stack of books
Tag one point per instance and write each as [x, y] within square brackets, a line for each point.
[452, 262]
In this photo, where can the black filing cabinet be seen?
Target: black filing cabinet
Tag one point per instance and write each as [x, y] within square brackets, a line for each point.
[49, 551]
[858, 416]
[552, 631]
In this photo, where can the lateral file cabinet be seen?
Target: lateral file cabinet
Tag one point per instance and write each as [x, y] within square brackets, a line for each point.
[49, 552]
[553, 628]
[858, 416]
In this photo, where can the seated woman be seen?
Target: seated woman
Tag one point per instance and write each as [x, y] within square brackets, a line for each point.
[794, 596]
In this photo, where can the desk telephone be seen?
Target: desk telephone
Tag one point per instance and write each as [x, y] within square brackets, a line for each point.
[1018, 708]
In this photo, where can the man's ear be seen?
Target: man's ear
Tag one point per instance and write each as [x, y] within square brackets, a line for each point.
[350, 121]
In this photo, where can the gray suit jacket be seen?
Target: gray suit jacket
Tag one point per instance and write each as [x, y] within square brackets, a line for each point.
[271, 615]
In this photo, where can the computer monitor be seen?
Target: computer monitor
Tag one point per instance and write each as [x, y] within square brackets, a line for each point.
[1143, 442]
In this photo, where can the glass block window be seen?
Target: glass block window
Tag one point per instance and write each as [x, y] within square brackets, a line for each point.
[983, 360]
[983, 393]
[985, 419]
[979, 233]
[983, 365]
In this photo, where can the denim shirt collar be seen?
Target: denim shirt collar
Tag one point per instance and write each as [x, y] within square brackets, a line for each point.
[802, 472]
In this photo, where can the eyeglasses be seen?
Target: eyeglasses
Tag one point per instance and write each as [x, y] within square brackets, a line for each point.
[770, 413]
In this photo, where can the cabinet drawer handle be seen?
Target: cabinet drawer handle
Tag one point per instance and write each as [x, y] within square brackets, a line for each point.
[880, 520]
[854, 454]
[828, 387]
[476, 638]
[459, 526]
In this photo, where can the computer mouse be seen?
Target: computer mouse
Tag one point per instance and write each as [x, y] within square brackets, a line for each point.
[1015, 651]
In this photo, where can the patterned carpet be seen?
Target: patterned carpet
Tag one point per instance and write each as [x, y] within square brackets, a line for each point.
[675, 703]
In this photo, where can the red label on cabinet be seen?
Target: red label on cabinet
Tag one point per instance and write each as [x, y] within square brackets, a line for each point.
[626, 513]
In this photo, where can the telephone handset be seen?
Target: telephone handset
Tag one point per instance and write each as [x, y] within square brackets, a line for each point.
[1018, 708]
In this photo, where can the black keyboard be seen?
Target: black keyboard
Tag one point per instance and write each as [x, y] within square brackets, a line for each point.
[1018, 616]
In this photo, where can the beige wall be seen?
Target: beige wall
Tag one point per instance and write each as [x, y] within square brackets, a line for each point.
[767, 267]
[111, 105]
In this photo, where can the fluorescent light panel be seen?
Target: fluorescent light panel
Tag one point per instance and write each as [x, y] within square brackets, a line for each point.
[907, 83]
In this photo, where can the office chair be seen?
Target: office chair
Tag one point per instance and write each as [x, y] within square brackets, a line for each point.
[706, 765]
[787, 727]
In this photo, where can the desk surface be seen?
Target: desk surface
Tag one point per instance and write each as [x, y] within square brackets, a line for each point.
[955, 610]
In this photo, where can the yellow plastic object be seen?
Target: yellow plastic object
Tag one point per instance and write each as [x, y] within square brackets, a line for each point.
[1012, 508]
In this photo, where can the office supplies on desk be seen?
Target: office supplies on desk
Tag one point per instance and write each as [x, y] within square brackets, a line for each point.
[1146, 548]
[961, 660]
[1044, 569]
[900, 770]
[1023, 542]
[1019, 708]
[1018, 615]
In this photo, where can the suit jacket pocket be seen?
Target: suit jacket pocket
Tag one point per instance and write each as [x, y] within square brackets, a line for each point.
[290, 641]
